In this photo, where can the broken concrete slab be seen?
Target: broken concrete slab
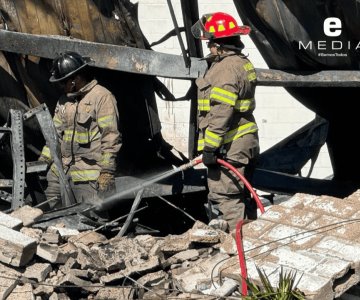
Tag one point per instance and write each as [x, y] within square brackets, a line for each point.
[152, 279]
[255, 229]
[289, 216]
[38, 271]
[226, 289]
[10, 222]
[70, 279]
[332, 206]
[55, 254]
[205, 236]
[60, 296]
[43, 291]
[33, 233]
[16, 249]
[203, 270]
[299, 201]
[8, 280]
[50, 238]
[64, 232]
[88, 238]
[146, 241]
[22, 292]
[27, 214]
[110, 293]
[140, 268]
[174, 244]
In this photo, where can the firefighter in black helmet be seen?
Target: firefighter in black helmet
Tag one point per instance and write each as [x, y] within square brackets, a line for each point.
[86, 120]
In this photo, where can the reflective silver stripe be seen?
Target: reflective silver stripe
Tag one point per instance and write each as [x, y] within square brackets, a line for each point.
[213, 139]
[222, 95]
[46, 152]
[201, 144]
[81, 137]
[106, 121]
[84, 175]
[244, 105]
[236, 133]
[204, 104]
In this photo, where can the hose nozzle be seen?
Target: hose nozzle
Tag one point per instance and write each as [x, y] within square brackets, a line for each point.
[190, 164]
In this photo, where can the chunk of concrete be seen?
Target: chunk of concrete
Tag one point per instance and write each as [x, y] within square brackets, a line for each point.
[44, 291]
[114, 293]
[88, 238]
[226, 289]
[16, 249]
[50, 238]
[64, 232]
[206, 236]
[188, 280]
[32, 232]
[10, 222]
[152, 279]
[142, 267]
[70, 279]
[175, 243]
[38, 271]
[27, 214]
[55, 254]
[22, 292]
[8, 280]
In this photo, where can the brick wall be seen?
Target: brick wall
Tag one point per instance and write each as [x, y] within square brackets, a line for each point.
[277, 113]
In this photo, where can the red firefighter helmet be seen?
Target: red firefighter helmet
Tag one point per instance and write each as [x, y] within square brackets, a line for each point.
[217, 25]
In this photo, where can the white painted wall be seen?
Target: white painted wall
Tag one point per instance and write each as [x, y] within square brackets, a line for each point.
[277, 113]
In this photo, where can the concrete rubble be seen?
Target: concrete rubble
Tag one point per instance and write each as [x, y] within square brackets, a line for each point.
[316, 236]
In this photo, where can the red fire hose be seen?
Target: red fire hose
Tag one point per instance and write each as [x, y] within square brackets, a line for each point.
[238, 238]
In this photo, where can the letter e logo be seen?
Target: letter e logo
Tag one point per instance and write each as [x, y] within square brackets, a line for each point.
[332, 26]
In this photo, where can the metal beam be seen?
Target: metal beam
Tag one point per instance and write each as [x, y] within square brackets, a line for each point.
[333, 78]
[147, 62]
[106, 56]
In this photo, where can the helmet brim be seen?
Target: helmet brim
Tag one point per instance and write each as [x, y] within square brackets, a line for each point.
[53, 79]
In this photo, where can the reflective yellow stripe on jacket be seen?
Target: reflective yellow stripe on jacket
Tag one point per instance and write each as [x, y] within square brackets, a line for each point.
[204, 104]
[106, 121]
[251, 71]
[223, 96]
[80, 137]
[84, 175]
[46, 152]
[213, 139]
[242, 105]
[79, 175]
[230, 136]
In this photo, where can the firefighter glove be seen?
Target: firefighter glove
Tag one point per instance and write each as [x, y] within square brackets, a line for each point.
[106, 182]
[209, 157]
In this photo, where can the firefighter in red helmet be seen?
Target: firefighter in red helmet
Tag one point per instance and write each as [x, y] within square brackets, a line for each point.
[86, 120]
[226, 125]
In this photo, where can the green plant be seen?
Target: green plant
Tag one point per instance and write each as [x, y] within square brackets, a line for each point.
[287, 289]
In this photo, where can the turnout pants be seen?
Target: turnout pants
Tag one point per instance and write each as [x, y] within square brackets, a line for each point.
[227, 198]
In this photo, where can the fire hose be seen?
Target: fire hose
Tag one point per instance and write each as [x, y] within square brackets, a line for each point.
[238, 237]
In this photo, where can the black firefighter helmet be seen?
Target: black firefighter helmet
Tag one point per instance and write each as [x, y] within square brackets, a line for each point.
[67, 64]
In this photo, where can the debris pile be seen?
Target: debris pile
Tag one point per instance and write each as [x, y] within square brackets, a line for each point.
[63, 263]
